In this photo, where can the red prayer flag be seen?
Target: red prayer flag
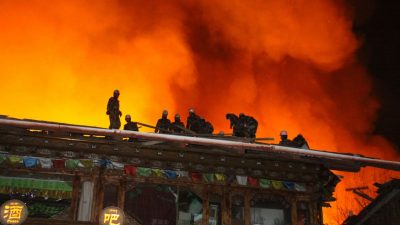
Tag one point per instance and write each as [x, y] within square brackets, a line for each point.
[130, 170]
[59, 163]
[252, 181]
[196, 176]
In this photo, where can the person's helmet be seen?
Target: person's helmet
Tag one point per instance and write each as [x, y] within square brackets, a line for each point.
[191, 110]
[177, 116]
[165, 112]
[284, 133]
[116, 92]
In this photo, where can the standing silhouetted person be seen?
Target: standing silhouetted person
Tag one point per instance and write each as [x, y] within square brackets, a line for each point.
[164, 124]
[113, 111]
[177, 126]
[193, 121]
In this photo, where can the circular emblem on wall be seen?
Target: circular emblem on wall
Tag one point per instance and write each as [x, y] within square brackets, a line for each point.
[112, 216]
[13, 212]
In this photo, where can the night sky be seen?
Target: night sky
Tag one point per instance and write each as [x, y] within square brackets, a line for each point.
[377, 24]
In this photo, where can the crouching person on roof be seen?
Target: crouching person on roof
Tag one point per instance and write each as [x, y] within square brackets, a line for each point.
[130, 125]
[285, 141]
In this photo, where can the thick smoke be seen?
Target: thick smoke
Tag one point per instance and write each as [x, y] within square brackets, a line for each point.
[290, 64]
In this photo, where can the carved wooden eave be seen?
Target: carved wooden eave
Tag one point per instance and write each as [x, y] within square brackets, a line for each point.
[331, 160]
[163, 155]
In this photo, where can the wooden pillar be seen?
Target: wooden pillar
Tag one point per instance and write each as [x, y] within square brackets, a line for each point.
[121, 193]
[293, 210]
[247, 215]
[98, 196]
[318, 213]
[76, 188]
[94, 199]
[226, 207]
[321, 215]
[313, 213]
[206, 206]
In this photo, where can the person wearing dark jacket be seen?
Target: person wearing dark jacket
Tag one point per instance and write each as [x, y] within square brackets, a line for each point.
[129, 124]
[249, 125]
[233, 119]
[285, 141]
[163, 125]
[113, 111]
[193, 121]
[300, 142]
[177, 126]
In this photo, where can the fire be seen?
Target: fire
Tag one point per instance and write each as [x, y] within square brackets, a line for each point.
[290, 64]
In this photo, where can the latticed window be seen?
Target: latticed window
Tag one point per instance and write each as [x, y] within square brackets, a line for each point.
[237, 209]
[151, 204]
[269, 210]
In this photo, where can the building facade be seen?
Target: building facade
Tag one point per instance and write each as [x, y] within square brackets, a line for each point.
[69, 177]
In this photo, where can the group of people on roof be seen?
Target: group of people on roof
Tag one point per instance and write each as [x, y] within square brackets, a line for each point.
[195, 124]
[242, 125]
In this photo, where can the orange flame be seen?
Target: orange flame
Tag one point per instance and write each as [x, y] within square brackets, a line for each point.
[290, 64]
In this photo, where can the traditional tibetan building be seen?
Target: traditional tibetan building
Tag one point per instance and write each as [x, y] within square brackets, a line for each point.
[66, 174]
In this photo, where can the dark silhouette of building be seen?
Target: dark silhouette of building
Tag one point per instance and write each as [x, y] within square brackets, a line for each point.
[384, 210]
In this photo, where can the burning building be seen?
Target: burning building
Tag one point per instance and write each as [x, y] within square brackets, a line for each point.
[66, 174]
[384, 209]
[293, 65]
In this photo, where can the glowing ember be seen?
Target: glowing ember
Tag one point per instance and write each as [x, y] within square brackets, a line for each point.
[290, 64]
